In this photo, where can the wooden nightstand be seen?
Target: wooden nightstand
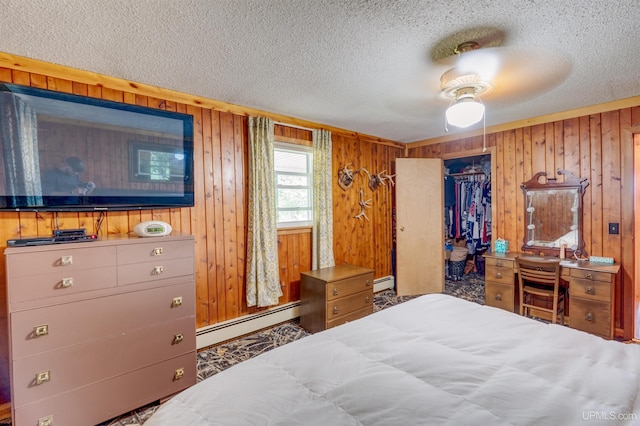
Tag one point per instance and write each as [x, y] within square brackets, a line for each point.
[334, 296]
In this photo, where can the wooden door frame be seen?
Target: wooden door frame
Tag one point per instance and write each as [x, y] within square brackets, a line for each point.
[475, 153]
[631, 138]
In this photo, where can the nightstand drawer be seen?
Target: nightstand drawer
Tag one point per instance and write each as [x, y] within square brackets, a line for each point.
[349, 286]
[349, 304]
[350, 317]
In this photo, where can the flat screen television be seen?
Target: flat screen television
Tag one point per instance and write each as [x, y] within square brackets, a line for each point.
[63, 152]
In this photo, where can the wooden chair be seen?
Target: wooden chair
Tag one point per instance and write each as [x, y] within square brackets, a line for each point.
[539, 281]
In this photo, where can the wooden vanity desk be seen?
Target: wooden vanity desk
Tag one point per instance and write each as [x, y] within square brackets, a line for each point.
[590, 287]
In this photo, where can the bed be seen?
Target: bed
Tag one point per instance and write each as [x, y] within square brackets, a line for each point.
[435, 359]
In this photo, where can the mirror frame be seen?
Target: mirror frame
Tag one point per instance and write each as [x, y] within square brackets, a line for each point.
[571, 181]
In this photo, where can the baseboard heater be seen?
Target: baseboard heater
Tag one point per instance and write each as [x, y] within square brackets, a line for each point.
[236, 327]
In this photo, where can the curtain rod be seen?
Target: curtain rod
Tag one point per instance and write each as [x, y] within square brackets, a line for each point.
[293, 125]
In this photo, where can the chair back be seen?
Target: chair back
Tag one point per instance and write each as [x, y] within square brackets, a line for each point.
[545, 271]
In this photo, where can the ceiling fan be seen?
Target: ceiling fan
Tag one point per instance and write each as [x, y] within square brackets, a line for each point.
[478, 67]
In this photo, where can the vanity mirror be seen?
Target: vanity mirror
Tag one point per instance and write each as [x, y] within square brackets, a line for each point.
[553, 214]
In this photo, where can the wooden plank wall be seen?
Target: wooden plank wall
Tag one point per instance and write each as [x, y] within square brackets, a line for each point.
[598, 147]
[219, 219]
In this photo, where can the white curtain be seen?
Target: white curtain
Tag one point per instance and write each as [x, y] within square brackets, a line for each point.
[19, 143]
[263, 278]
[322, 237]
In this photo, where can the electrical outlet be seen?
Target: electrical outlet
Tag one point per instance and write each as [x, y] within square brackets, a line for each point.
[614, 228]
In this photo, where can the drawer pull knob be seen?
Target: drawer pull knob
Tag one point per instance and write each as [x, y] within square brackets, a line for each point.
[498, 296]
[43, 377]
[368, 299]
[41, 330]
[368, 283]
[499, 275]
[178, 374]
[66, 260]
[157, 270]
[335, 291]
[589, 276]
[177, 301]
[498, 263]
[590, 290]
[66, 282]
[157, 251]
[178, 338]
[589, 317]
[46, 421]
[335, 309]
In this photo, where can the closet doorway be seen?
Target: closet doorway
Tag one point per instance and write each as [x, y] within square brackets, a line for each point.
[469, 213]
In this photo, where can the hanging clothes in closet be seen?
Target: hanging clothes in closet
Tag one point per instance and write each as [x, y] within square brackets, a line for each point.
[468, 209]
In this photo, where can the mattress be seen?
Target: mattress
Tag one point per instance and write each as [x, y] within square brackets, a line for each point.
[435, 359]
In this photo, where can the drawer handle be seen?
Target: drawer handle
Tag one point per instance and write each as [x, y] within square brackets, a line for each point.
[335, 291]
[66, 282]
[498, 297]
[589, 317]
[368, 283]
[41, 330]
[590, 290]
[498, 263]
[178, 374]
[499, 275]
[178, 338]
[46, 421]
[43, 377]
[66, 260]
[157, 251]
[335, 309]
[367, 299]
[589, 276]
[157, 270]
[177, 301]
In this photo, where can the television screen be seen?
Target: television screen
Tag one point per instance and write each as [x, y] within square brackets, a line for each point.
[63, 152]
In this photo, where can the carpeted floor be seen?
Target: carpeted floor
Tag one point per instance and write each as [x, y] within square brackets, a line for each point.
[217, 358]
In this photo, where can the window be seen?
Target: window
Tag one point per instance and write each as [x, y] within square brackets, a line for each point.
[294, 182]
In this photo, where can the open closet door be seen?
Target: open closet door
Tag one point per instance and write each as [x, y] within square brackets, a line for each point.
[420, 226]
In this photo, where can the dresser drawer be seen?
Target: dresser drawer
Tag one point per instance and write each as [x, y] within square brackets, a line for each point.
[499, 295]
[66, 259]
[100, 359]
[350, 317]
[349, 286]
[347, 305]
[501, 274]
[79, 322]
[156, 248]
[106, 399]
[587, 289]
[592, 275]
[159, 269]
[591, 316]
[61, 282]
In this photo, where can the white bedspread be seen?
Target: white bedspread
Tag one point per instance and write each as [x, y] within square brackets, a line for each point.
[433, 360]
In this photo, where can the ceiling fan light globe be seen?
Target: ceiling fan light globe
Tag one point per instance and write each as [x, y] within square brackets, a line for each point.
[465, 112]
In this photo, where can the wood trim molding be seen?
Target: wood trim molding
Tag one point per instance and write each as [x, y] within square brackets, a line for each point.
[20, 63]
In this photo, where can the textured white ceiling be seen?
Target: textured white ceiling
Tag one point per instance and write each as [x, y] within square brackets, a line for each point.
[361, 65]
